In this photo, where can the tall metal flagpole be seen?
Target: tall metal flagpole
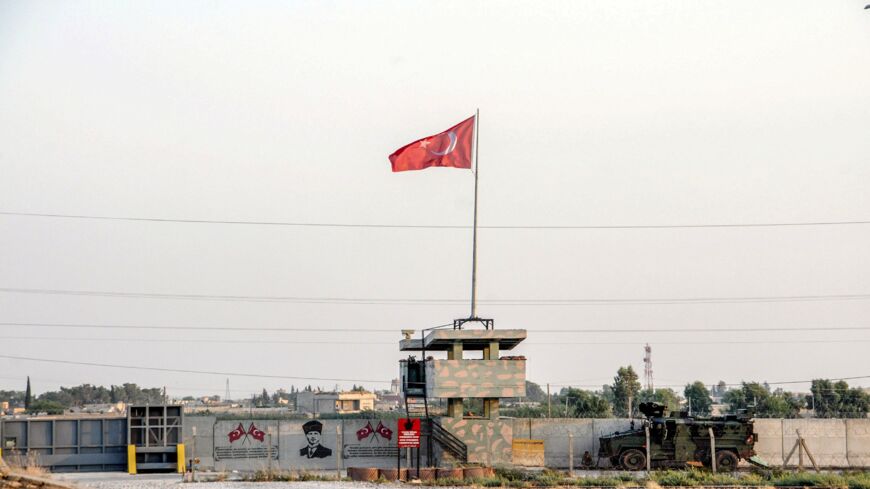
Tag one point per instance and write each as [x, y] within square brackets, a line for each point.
[474, 236]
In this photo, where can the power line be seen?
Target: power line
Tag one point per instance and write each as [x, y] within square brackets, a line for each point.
[194, 340]
[186, 371]
[717, 342]
[429, 226]
[430, 302]
[732, 384]
[198, 328]
[393, 343]
[364, 330]
[705, 330]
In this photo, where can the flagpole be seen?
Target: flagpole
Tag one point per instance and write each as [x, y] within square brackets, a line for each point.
[474, 235]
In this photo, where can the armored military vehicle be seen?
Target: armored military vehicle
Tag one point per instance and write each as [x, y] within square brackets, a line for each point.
[679, 441]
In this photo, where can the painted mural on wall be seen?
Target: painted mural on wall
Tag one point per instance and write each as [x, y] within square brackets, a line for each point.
[244, 440]
[374, 439]
[314, 436]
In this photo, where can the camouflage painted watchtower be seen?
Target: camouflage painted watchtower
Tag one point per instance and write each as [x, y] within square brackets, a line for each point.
[464, 373]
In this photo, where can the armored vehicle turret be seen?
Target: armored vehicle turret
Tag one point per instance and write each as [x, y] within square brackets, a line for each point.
[679, 441]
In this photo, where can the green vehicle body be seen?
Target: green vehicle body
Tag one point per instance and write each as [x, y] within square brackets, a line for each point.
[680, 441]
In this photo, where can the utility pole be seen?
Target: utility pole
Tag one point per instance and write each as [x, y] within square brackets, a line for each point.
[648, 452]
[570, 454]
[712, 449]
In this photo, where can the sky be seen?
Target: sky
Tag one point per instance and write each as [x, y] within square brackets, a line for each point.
[593, 115]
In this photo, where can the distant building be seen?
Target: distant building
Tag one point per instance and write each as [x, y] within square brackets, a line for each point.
[388, 401]
[100, 408]
[719, 409]
[334, 402]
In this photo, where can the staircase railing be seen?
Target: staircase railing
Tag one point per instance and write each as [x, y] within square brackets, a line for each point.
[448, 441]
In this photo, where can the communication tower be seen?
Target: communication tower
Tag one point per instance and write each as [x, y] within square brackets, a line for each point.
[647, 367]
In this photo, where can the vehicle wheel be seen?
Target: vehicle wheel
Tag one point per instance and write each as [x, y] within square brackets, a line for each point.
[726, 461]
[633, 459]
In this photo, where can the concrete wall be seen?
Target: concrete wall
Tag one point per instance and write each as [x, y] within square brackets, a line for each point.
[201, 445]
[476, 378]
[237, 445]
[584, 434]
[833, 442]
[488, 442]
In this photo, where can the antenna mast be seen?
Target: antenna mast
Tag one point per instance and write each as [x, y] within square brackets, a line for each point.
[647, 367]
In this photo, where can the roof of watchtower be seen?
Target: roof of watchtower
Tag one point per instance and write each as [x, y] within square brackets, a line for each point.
[471, 339]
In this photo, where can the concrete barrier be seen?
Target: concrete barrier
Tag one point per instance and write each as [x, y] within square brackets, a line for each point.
[770, 443]
[835, 443]
[825, 438]
[244, 445]
[858, 442]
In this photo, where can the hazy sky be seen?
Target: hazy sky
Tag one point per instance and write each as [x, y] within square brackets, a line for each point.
[593, 113]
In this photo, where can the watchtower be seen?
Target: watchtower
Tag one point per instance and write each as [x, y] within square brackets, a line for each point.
[489, 377]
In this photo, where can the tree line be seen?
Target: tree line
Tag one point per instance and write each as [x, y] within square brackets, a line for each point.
[55, 402]
[827, 399]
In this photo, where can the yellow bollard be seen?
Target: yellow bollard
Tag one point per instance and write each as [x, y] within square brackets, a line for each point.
[131, 459]
[181, 462]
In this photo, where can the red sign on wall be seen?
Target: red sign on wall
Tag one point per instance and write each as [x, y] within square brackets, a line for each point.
[409, 433]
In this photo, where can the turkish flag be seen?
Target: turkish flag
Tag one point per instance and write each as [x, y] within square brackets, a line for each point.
[257, 433]
[449, 148]
[384, 431]
[365, 431]
[236, 433]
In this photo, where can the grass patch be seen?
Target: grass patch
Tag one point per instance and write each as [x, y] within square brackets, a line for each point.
[284, 476]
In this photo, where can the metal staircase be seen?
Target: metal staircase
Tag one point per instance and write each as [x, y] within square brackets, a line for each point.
[417, 406]
[448, 441]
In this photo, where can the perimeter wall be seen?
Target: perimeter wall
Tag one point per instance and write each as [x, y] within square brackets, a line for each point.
[840, 443]
[835, 443]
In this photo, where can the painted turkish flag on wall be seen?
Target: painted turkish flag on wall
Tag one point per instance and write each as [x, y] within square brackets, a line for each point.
[449, 148]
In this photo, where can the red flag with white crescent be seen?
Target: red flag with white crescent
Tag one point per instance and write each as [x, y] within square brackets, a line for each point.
[451, 148]
[257, 433]
[384, 431]
[365, 431]
[236, 433]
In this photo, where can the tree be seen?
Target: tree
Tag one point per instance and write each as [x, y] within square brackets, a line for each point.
[534, 392]
[625, 387]
[28, 396]
[585, 404]
[698, 398]
[719, 389]
[766, 404]
[14, 398]
[264, 398]
[667, 397]
[43, 406]
[837, 400]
